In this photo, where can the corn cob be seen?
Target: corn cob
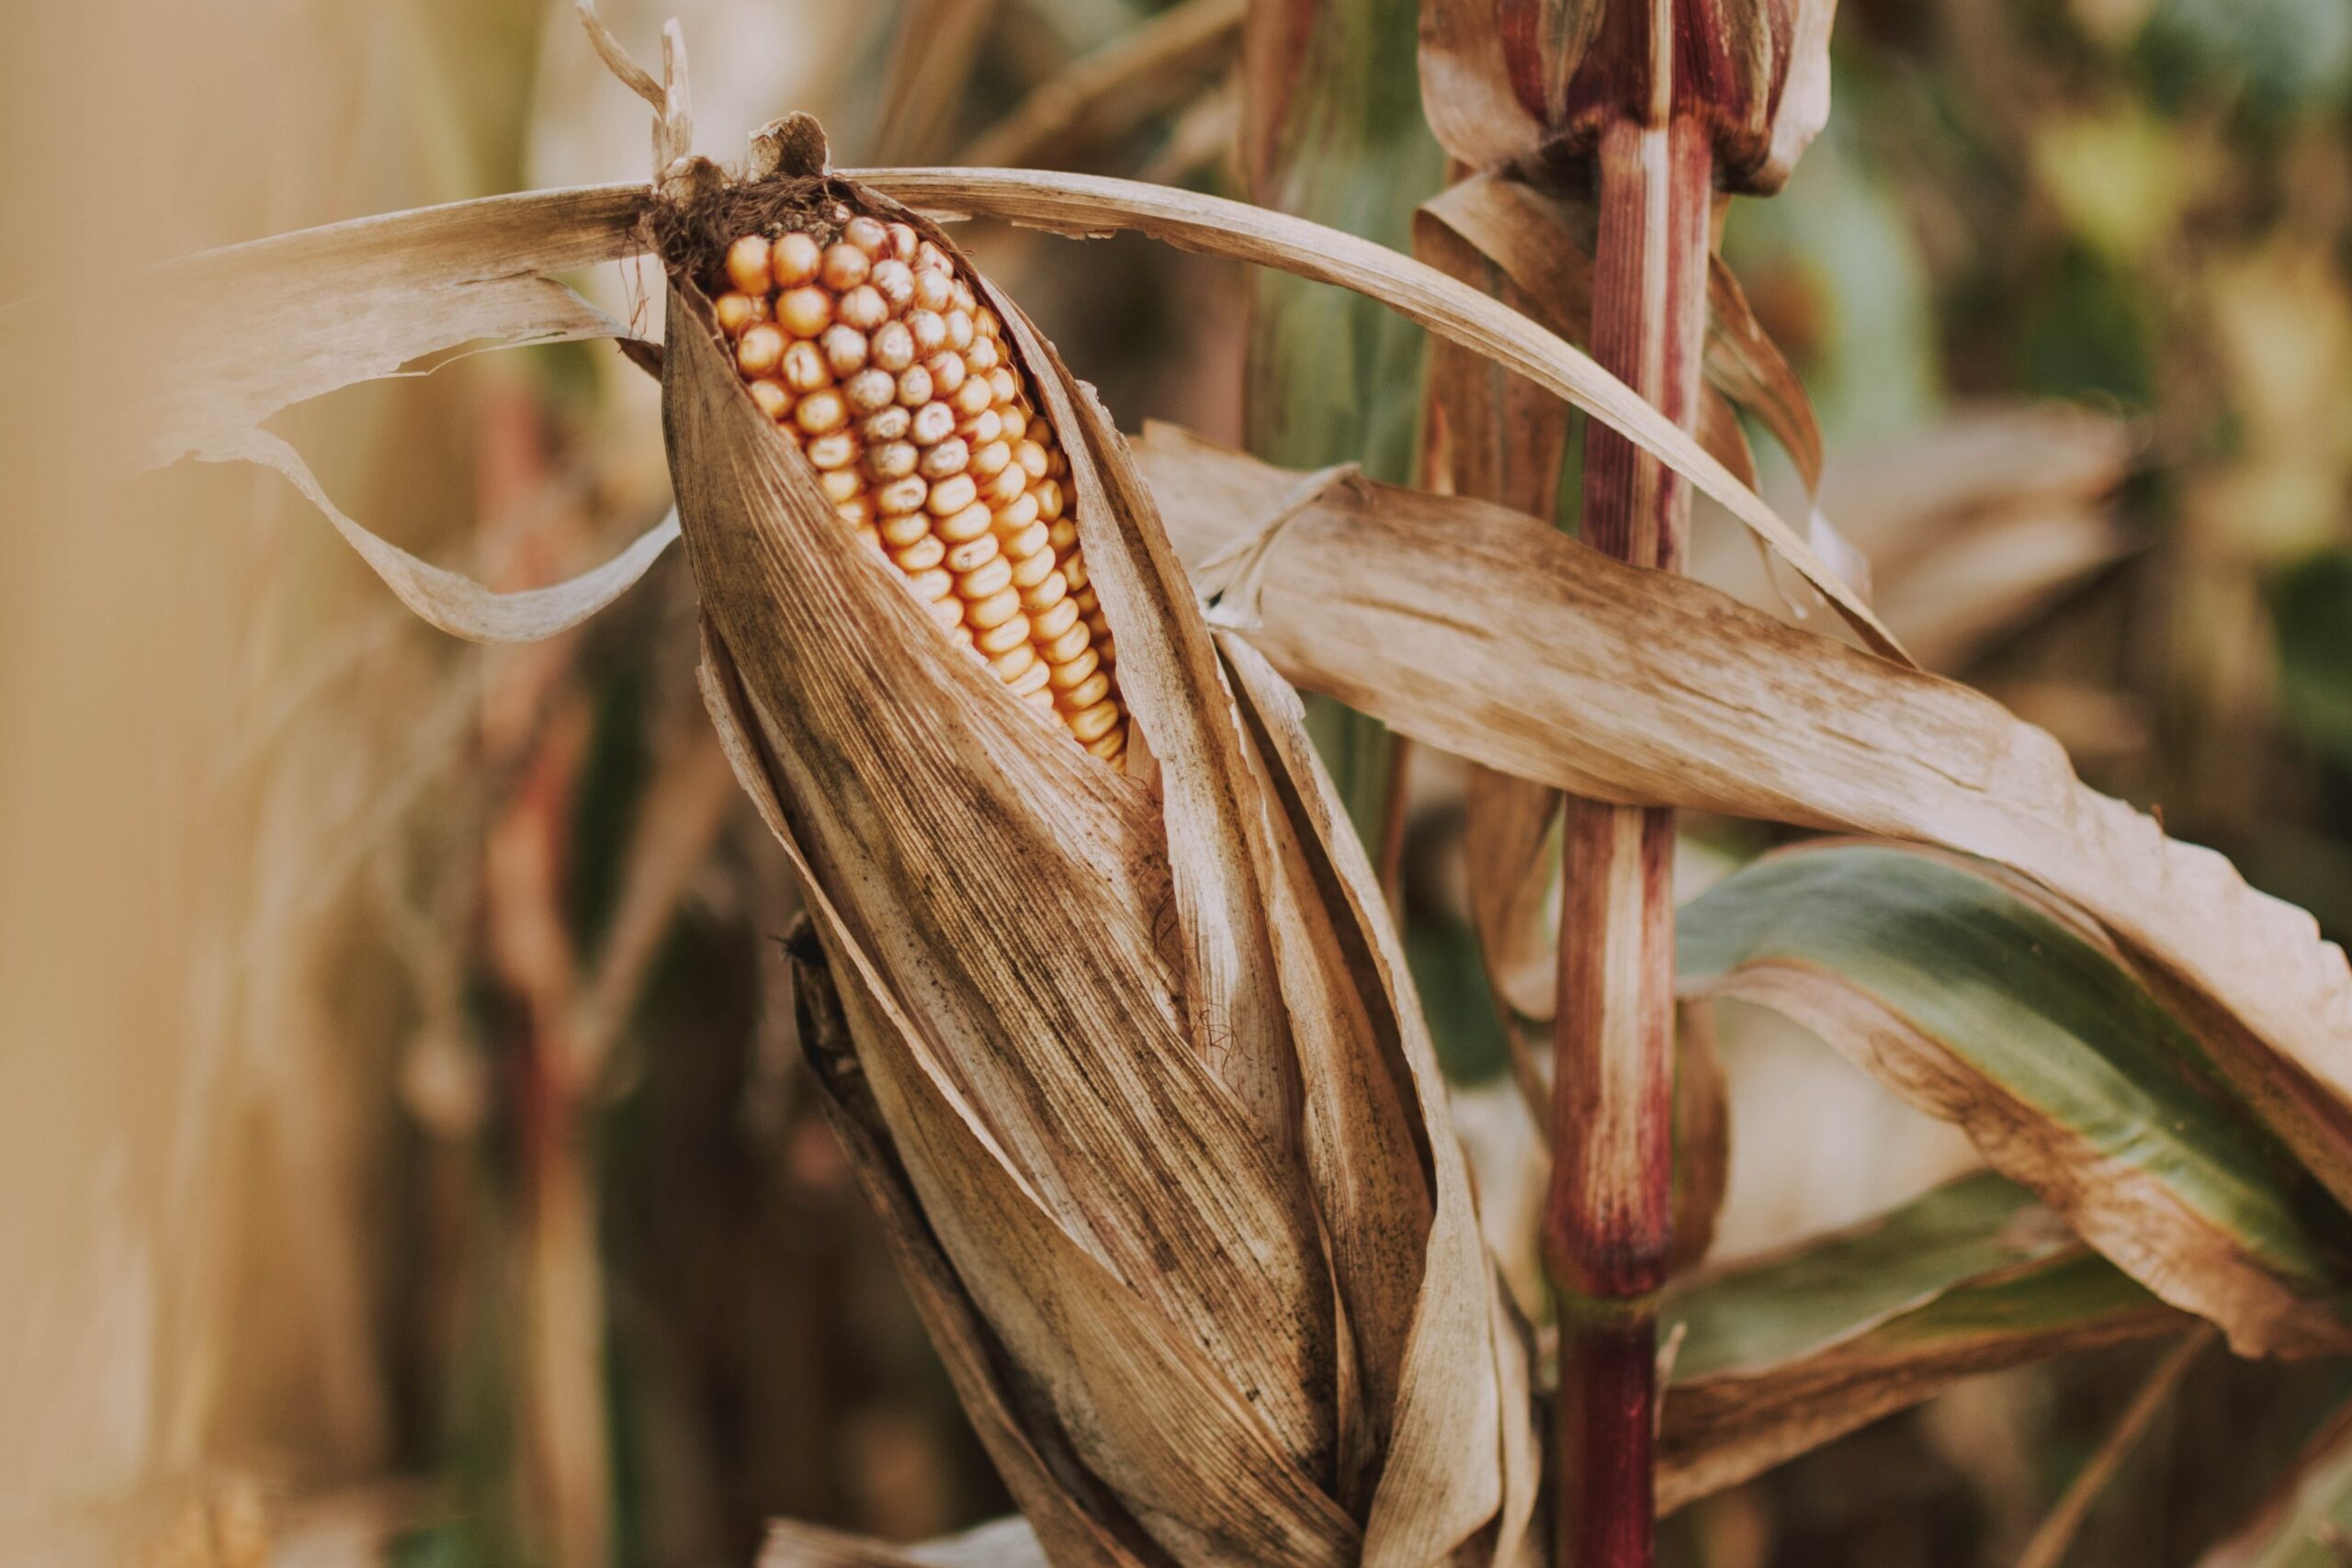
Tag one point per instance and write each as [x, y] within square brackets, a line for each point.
[872, 355]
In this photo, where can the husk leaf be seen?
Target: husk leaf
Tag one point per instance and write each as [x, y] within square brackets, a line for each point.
[1088, 1053]
[1492, 636]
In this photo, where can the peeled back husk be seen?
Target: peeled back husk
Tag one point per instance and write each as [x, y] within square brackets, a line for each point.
[1131, 1064]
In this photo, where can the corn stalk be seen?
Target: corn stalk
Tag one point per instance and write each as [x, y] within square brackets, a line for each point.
[1658, 101]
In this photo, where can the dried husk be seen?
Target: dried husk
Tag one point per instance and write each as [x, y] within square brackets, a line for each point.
[1493, 636]
[1139, 1083]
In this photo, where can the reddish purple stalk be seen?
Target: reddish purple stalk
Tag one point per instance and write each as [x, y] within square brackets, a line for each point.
[1609, 1226]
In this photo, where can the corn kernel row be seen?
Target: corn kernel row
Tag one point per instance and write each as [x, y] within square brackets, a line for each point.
[877, 361]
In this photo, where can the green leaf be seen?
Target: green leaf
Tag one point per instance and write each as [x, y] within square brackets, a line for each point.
[1780, 1354]
[1981, 1005]
[1335, 133]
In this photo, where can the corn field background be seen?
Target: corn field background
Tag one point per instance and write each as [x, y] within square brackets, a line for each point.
[407, 1150]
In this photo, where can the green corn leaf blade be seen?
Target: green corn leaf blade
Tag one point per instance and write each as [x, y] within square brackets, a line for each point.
[1985, 1005]
[1334, 132]
[1775, 1357]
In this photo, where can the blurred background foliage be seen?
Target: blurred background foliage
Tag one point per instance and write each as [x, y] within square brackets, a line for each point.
[409, 1161]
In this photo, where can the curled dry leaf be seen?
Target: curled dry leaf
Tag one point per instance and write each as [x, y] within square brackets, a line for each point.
[1084, 206]
[475, 270]
[337, 305]
[1492, 636]
[1132, 1067]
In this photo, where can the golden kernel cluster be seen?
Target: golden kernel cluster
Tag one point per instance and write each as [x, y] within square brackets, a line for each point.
[874, 357]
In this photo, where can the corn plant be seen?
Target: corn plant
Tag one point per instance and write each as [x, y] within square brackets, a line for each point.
[1099, 982]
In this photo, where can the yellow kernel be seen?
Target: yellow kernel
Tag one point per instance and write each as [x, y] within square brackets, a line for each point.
[821, 413]
[923, 555]
[894, 281]
[964, 299]
[934, 584]
[836, 450]
[1091, 724]
[982, 356]
[844, 268]
[1086, 693]
[928, 255]
[949, 457]
[863, 307]
[914, 386]
[857, 511]
[973, 554]
[990, 577]
[891, 425]
[902, 242]
[934, 290]
[1009, 483]
[804, 369]
[1049, 499]
[870, 391]
[934, 423]
[892, 459]
[795, 261]
[1033, 569]
[959, 330]
[893, 346]
[1074, 672]
[839, 485]
[996, 610]
[805, 312]
[989, 461]
[974, 398]
[1031, 682]
[983, 429]
[747, 264]
[985, 320]
[1006, 388]
[867, 234]
[946, 369]
[899, 533]
[774, 400]
[1066, 647]
[1018, 515]
[736, 311]
[952, 495]
[930, 330]
[1015, 663]
[1033, 457]
[1048, 591]
[969, 524]
[905, 495]
[760, 350]
[995, 637]
[843, 348]
[1015, 421]
[948, 611]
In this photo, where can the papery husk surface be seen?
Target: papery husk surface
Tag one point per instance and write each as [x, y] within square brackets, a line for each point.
[1492, 636]
[1158, 1116]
